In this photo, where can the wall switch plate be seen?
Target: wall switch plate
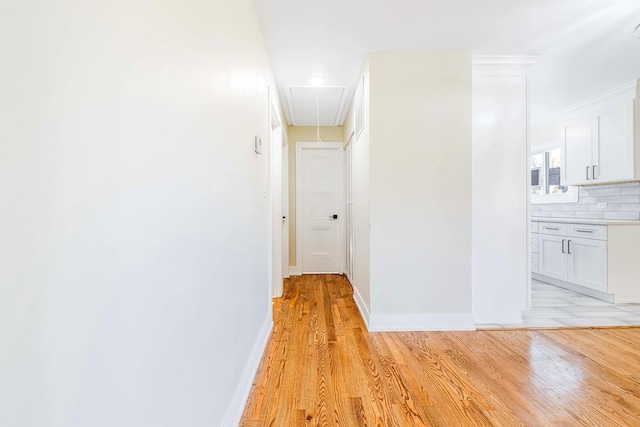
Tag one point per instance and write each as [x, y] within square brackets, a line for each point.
[602, 205]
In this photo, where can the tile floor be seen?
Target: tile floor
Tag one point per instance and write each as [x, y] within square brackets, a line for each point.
[556, 307]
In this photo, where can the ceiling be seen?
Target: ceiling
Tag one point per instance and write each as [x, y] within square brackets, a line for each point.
[331, 38]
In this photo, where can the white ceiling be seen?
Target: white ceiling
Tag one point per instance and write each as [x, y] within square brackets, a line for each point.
[330, 38]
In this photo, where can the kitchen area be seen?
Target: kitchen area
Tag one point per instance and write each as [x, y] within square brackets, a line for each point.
[585, 215]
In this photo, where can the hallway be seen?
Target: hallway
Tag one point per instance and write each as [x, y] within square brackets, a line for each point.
[322, 367]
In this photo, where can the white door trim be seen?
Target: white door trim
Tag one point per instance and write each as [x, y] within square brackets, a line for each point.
[275, 205]
[324, 145]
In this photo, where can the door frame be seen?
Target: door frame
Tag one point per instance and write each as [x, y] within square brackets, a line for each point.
[276, 138]
[286, 209]
[341, 211]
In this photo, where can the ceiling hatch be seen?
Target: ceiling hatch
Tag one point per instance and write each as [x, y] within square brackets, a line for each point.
[330, 101]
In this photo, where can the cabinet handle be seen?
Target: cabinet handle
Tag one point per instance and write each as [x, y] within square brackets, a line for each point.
[563, 240]
[593, 171]
[585, 231]
[569, 247]
[551, 228]
[588, 179]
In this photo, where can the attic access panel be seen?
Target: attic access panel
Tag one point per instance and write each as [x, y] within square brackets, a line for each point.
[330, 101]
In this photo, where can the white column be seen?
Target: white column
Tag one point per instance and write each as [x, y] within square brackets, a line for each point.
[500, 189]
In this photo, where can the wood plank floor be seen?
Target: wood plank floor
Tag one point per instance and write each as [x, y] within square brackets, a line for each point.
[322, 367]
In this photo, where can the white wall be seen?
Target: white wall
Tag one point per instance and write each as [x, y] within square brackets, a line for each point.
[500, 201]
[420, 184]
[133, 264]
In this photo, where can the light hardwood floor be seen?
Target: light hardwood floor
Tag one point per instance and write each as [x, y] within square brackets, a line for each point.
[322, 367]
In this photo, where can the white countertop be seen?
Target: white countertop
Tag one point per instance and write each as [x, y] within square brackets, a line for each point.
[586, 221]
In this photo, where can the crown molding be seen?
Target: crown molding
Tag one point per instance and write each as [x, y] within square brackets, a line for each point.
[626, 91]
[502, 64]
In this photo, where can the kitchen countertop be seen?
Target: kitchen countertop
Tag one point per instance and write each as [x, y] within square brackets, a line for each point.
[586, 221]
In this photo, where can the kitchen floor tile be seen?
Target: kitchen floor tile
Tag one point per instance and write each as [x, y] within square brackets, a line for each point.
[553, 306]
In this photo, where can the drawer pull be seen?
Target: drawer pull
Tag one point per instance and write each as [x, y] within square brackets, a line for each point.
[585, 231]
[552, 228]
[569, 247]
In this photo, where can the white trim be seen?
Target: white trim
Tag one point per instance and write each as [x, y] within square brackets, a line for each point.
[515, 320]
[236, 408]
[294, 270]
[362, 307]
[628, 90]
[502, 65]
[527, 171]
[421, 322]
[275, 176]
[300, 145]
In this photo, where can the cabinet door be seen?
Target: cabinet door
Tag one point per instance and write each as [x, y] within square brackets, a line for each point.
[576, 152]
[587, 263]
[552, 261]
[612, 132]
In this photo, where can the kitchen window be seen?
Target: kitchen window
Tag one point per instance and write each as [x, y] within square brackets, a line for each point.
[546, 184]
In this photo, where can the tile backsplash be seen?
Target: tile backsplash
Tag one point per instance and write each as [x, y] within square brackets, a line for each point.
[623, 202]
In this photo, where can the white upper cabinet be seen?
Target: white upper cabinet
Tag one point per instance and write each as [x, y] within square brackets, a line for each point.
[576, 156]
[613, 143]
[600, 139]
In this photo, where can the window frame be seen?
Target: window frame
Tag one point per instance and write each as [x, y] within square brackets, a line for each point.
[570, 197]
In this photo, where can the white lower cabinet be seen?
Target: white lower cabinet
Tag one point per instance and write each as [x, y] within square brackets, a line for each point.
[577, 260]
[552, 256]
[587, 263]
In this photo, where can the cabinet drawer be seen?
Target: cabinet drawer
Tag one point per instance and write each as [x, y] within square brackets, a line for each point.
[534, 226]
[553, 228]
[598, 232]
[534, 243]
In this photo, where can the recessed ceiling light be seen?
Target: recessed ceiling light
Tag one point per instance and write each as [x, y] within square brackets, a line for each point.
[317, 81]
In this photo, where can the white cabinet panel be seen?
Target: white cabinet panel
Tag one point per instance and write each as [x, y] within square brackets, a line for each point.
[587, 263]
[553, 228]
[600, 141]
[613, 143]
[588, 231]
[552, 260]
[576, 154]
[534, 226]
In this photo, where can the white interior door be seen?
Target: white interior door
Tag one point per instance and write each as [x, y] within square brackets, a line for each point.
[285, 210]
[321, 205]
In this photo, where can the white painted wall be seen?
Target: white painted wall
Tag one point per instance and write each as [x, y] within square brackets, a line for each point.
[133, 263]
[500, 167]
[420, 188]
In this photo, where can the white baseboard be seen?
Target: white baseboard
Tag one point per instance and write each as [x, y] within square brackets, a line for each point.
[362, 307]
[511, 320]
[421, 322]
[295, 271]
[234, 413]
